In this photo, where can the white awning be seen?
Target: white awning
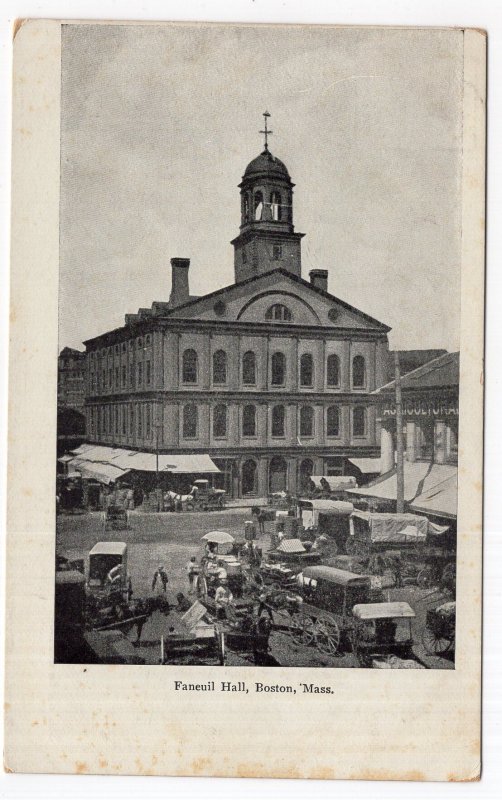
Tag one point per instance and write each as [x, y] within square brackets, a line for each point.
[366, 465]
[419, 477]
[196, 464]
[181, 464]
[335, 482]
[104, 473]
[440, 501]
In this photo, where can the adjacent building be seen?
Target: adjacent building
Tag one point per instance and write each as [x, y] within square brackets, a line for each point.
[72, 372]
[272, 376]
[71, 378]
[430, 401]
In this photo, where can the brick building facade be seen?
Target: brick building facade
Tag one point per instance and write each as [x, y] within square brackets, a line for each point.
[271, 376]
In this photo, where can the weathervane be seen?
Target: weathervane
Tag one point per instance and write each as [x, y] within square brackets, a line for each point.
[266, 132]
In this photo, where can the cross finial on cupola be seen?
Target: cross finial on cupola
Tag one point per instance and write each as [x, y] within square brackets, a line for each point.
[266, 132]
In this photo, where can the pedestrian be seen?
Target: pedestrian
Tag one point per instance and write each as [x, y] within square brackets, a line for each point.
[192, 569]
[141, 614]
[160, 575]
[223, 598]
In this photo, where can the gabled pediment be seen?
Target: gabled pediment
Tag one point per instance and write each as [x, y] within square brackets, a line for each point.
[250, 301]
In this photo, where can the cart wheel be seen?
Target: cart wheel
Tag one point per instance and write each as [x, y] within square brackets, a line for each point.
[435, 644]
[296, 627]
[309, 625]
[425, 578]
[327, 636]
[302, 629]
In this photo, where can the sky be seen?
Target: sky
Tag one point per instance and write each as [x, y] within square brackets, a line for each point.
[159, 122]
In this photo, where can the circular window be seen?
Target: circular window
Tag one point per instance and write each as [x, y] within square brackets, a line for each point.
[333, 314]
[220, 308]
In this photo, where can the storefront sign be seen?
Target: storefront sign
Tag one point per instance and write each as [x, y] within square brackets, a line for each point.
[424, 408]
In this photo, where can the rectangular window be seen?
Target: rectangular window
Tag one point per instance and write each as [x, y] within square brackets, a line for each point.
[131, 420]
[124, 420]
[334, 466]
[148, 421]
[110, 378]
[359, 421]
[103, 379]
[116, 414]
[131, 375]
[276, 252]
[190, 422]
[140, 421]
[148, 372]
[140, 373]
[124, 376]
[278, 415]
[117, 378]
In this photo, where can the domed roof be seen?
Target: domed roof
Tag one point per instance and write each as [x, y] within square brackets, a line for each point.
[267, 163]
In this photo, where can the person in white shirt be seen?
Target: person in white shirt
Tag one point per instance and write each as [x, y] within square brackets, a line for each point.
[223, 599]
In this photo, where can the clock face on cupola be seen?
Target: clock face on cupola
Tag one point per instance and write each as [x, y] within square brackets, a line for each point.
[267, 238]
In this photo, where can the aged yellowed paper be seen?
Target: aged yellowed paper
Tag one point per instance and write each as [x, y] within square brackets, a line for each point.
[249, 502]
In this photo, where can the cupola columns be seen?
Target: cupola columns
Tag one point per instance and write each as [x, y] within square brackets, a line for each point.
[267, 238]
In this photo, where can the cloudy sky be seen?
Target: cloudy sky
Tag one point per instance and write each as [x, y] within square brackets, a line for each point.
[159, 122]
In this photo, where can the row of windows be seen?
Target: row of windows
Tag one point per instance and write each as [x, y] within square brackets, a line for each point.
[121, 377]
[249, 426]
[133, 344]
[190, 369]
[123, 420]
[138, 421]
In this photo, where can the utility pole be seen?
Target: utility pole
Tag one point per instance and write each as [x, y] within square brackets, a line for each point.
[157, 481]
[399, 437]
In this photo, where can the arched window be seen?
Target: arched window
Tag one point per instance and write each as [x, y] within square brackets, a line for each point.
[306, 370]
[249, 421]
[245, 208]
[289, 210]
[278, 415]
[277, 475]
[278, 362]
[249, 477]
[306, 472]
[249, 368]
[219, 367]
[189, 366]
[275, 206]
[333, 421]
[333, 370]
[306, 421]
[190, 422]
[279, 313]
[358, 372]
[258, 206]
[359, 421]
[220, 421]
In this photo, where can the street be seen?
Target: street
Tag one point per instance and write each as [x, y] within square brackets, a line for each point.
[170, 540]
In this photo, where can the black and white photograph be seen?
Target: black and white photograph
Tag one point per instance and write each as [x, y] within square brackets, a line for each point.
[259, 346]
